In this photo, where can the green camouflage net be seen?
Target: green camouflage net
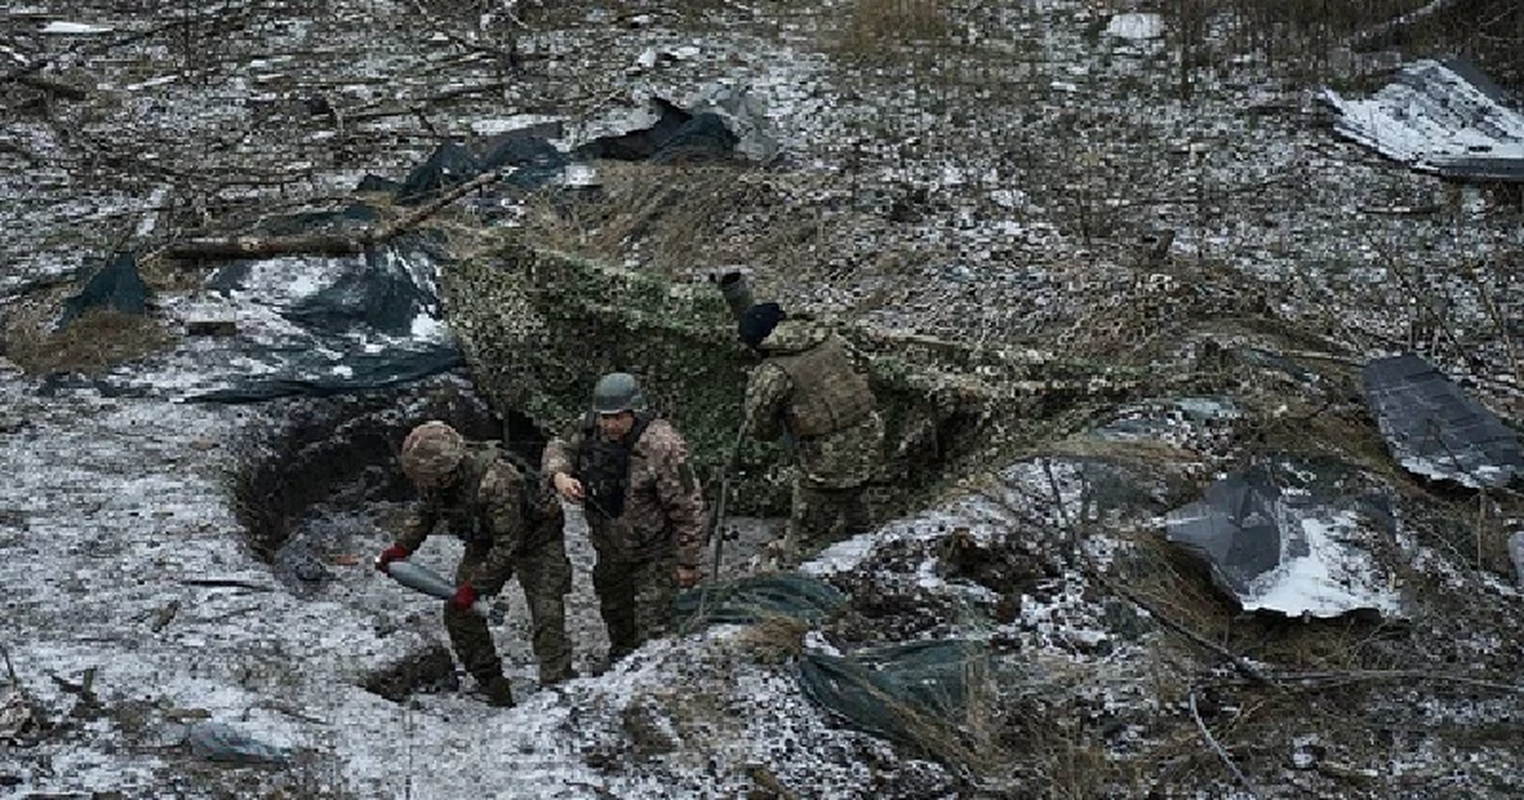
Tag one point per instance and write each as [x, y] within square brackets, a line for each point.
[913, 694]
[760, 597]
[538, 328]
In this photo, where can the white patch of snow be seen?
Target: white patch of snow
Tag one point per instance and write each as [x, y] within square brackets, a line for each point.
[1335, 576]
[74, 28]
[1136, 26]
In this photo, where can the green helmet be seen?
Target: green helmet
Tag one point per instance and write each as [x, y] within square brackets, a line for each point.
[616, 392]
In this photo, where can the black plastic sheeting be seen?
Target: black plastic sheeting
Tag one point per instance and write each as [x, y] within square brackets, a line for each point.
[353, 333]
[1435, 430]
[116, 286]
[675, 137]
[1297, 538]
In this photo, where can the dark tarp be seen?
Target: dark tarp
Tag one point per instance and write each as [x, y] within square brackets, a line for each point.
[640, 144]
[450, 165]
[1294, 538]
[319, 326]
[116, 286]
[705, 137]
[1434, 429]
[535, 162]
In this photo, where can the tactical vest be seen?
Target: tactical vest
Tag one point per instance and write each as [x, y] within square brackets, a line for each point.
[828, 395]
[461, 506]
[603, 466]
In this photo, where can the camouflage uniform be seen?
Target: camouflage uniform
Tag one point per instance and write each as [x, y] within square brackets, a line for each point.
[808, 391]
[509, 524]
[645, 517]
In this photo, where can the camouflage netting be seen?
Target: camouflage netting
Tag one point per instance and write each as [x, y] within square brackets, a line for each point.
[539, 327]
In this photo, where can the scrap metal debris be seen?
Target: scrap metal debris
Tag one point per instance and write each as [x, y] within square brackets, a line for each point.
[1435, 430]
[1443, 117]
[1291, 538]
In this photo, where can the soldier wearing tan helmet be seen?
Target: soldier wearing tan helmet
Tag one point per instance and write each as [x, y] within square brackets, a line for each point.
[509, 523]
[628, 469]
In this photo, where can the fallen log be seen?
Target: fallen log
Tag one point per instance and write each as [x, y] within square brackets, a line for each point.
[320, 244]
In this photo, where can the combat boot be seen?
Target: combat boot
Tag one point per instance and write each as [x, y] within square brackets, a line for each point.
[498, 690]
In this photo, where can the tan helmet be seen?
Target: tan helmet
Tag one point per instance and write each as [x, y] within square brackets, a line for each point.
[431, 452]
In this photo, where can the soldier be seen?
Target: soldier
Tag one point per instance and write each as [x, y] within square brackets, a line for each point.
[808, 391]
[509, 523]
[629, 470]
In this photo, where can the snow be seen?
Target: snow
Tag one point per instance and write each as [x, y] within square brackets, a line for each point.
[1434, 119]
[59, 27]
[1136, 26]
[1333, 577]
[116, 502]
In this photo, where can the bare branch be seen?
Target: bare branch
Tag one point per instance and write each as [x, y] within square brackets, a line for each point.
[1222, 754]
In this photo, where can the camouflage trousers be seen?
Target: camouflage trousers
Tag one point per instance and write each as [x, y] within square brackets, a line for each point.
[821, 517]
[545, 574]
[635, 600]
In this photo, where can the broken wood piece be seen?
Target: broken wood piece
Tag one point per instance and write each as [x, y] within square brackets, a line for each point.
[228, 583]
[1222, 754]
[59, 88]
[211, 327]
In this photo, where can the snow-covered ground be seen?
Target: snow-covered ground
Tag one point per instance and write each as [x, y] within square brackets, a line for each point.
[1022, 201]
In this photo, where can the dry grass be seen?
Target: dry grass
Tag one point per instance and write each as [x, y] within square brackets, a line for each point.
[94, 342]
[773, 639]
[675, 220]
[878, 30]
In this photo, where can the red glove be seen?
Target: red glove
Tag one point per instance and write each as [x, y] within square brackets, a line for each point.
[464, 598]
[394, 553]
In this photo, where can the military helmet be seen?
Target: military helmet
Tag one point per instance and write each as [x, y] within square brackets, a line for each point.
[616, 392]
[431, 452]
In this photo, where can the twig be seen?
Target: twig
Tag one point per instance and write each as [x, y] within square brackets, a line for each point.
[767, 780]
[164, 615]
[1334, 678]
[1221, 753]
[1501, 325]
[10, 669]
[232, 583]
[1239, 662]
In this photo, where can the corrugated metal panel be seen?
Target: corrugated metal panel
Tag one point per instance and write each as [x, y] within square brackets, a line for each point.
[1441, 117]
[1433, 429]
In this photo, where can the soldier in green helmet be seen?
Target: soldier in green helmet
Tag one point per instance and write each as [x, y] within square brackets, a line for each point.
[510, 524]
[629, 470]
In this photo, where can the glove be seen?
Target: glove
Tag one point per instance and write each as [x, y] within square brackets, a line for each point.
[394, 553]
[464, 598]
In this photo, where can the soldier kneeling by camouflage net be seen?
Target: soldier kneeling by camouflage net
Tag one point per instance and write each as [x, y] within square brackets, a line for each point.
[808, 391]
[510, 523]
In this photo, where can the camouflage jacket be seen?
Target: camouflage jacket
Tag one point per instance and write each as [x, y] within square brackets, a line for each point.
[808, 389]
[663, 513]
[493, 505]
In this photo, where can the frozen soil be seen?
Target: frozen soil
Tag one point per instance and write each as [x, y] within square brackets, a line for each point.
[1016, 176]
